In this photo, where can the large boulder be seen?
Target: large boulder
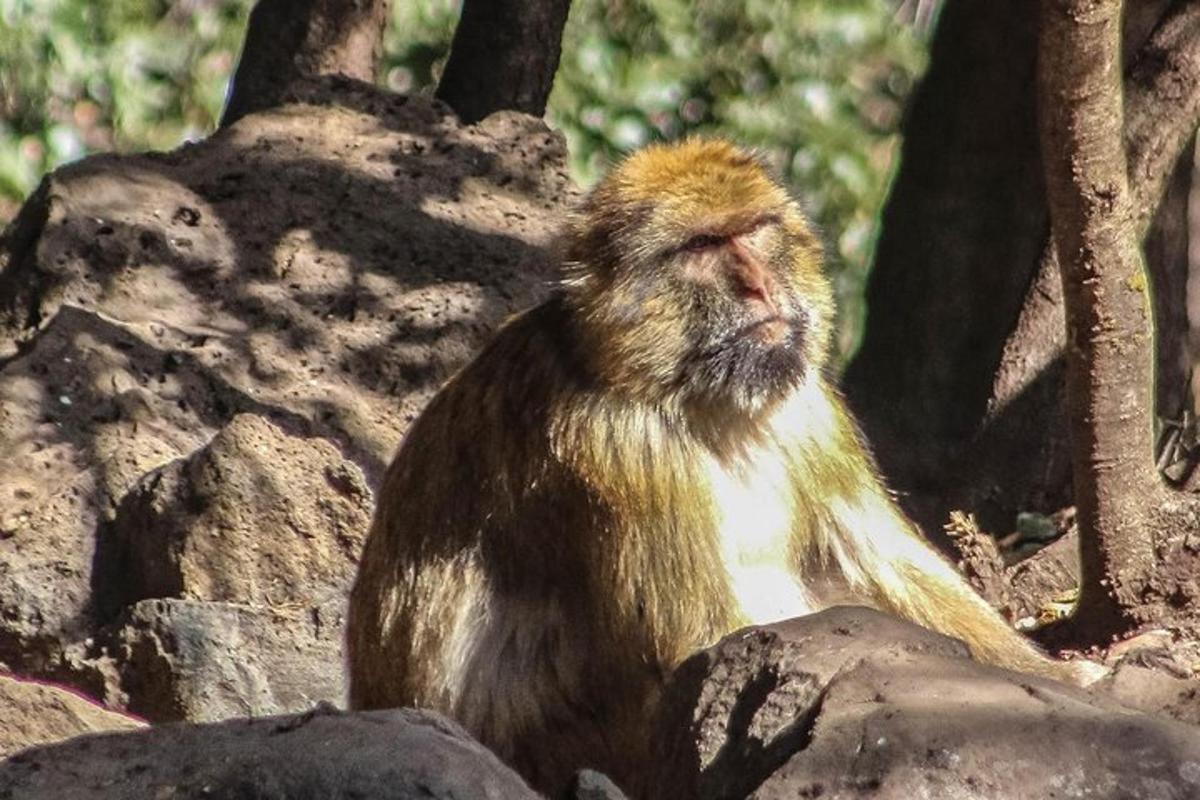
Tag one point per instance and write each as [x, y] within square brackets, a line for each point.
[851, 703]
[320, 755]
[207, 358]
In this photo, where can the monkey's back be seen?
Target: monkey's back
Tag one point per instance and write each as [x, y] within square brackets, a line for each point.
[488, 588]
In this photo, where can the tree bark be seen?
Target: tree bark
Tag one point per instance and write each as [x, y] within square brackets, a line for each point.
[1020, 460]
[504, 56]
[959, 379]
[1127, 518]
[960, 239]
[1166, 246]
[291, 39]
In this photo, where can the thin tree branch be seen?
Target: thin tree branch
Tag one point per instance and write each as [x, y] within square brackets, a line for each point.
[1109, 352]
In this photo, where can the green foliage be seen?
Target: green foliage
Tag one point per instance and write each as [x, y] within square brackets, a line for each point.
[816, 86]
[79, 76]
[416, 43]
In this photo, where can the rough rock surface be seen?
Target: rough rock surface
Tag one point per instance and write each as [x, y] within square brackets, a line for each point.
[206, 661]
[33, 713]
[851, 703]
[207, 356]
[255, 516]
[320, 755]
[1154, 689]
[591, 785]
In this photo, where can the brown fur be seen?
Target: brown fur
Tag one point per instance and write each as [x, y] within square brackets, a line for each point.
[591, 499]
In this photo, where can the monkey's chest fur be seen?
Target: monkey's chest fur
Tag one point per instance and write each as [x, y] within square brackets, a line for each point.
[754, 511]
[636, 563]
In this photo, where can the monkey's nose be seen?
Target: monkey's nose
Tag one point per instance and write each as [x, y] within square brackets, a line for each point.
[754, 284]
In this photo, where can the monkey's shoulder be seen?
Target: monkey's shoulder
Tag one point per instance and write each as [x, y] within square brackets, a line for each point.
[527, 365]
[483, 441]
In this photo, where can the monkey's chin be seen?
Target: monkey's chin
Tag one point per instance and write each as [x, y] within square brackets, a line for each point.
[750, 372]
[773, 377]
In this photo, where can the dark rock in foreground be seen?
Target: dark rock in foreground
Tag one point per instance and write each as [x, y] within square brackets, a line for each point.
[851, 703]
[321, 755]
[848, 704]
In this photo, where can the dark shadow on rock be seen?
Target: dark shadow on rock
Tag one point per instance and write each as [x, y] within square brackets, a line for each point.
[324, 266]
[319, 755]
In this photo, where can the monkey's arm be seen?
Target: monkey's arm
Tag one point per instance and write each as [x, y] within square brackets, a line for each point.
[881, 555]
[455, 538]
[418, 589]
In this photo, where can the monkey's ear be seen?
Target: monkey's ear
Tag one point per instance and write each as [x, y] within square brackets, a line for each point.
[593, 235]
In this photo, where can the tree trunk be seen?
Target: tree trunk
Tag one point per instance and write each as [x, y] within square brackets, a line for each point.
[504, 56]
[291, 39]
[1137, 539]
[959, 379]
[960, 240]
[1167, 255]
[1021, 457]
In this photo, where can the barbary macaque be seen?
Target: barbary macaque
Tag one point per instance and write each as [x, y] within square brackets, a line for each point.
[647, 461]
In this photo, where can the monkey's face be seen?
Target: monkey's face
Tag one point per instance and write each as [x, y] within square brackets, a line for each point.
[695, 278]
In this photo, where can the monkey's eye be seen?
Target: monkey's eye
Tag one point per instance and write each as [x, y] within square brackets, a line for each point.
[704, 241]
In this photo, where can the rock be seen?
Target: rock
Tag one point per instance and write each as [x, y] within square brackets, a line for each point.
[206, 661]
[591, 785]
[320, 755]
[292, 289]
[255, 537]
[33, 713]
[256, 516]
[851, 703]
[750, 701]
[1153, 690]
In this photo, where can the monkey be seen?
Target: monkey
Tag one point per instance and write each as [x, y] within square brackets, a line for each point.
[651, 459]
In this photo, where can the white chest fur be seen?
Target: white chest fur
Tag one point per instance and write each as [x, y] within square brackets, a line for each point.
[754, 502]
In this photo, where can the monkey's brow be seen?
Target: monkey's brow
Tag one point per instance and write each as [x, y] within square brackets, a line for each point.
[731, 226]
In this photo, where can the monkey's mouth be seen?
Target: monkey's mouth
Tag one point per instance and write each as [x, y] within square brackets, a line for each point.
[773, 331]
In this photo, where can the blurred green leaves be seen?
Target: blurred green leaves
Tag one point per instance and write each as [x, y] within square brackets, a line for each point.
[79, 77]
[816, 85]
[416, 43]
